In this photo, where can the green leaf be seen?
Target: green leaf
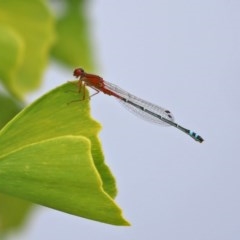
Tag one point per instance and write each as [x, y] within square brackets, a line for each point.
[50, 154]
[73, 43]
[31, 23]
[11, 55]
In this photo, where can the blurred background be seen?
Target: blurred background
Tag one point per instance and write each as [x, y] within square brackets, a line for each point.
[181, 55]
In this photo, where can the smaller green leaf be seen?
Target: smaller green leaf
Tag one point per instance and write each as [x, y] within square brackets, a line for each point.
[50, 154]
[73, 42]
[33, 23]
[11, 55]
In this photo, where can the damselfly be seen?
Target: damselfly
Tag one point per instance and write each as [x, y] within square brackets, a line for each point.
[140, 107]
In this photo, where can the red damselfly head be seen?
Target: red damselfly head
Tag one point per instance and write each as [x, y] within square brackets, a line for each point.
[78, 72]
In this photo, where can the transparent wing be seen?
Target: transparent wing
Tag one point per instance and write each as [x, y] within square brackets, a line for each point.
[142, 104]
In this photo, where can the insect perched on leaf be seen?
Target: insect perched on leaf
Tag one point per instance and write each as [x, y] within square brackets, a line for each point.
[146, 110]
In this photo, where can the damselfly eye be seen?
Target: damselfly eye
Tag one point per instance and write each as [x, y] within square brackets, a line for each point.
[78, 72]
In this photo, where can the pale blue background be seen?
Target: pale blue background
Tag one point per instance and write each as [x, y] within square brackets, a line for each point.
[183, 55]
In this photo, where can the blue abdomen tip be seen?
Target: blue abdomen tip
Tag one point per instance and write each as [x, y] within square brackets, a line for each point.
[196, 136]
